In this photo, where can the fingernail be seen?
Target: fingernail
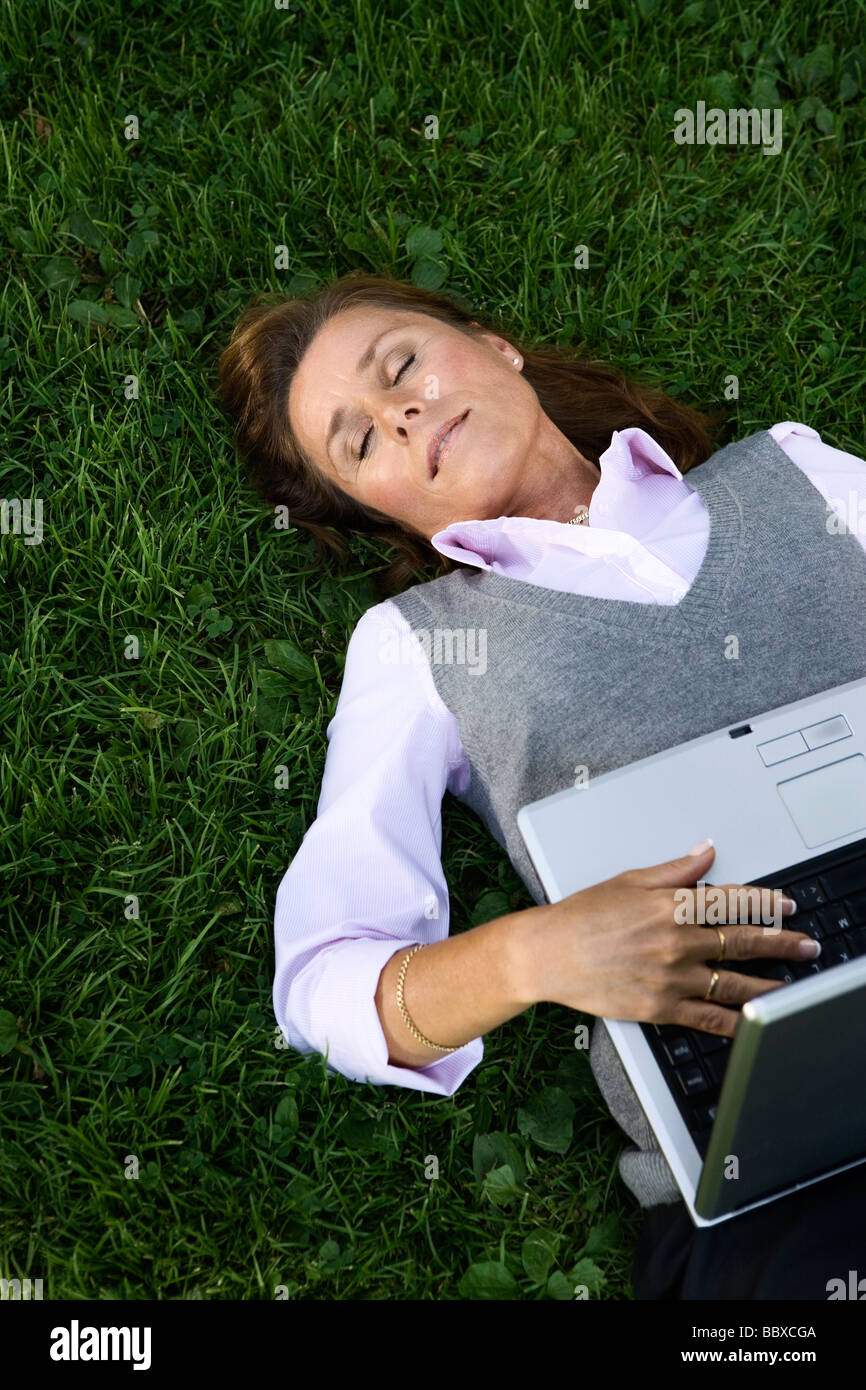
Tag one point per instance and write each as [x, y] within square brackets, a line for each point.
[808, 950]
[699, 849]
[793, 905]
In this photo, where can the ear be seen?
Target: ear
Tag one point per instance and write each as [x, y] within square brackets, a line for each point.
[511, 354]
[500, 344]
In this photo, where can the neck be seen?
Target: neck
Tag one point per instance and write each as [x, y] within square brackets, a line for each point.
[563, 482]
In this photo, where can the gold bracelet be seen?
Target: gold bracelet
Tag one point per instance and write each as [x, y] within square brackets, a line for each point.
[404, 1011]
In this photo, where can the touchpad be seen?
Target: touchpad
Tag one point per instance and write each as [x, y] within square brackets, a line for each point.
[829, 802]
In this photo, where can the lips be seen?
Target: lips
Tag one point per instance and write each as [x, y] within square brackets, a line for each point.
[436, 440]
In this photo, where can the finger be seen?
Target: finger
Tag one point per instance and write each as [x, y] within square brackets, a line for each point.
[706, 1017]
[731, 988]
[671, 873]
[748, 942]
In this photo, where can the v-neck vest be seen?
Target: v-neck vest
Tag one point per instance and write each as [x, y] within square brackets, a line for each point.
[776, 612]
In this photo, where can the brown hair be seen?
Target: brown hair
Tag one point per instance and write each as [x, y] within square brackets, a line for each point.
[586, 400]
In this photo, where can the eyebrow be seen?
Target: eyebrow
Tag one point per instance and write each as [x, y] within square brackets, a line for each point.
[338, 419]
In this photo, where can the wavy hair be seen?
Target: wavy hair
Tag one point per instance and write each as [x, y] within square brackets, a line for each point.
[587, 400]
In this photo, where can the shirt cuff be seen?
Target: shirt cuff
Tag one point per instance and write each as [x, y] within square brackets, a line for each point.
[331, 1008]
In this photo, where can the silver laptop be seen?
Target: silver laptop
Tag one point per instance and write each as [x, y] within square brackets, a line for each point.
[783, 797]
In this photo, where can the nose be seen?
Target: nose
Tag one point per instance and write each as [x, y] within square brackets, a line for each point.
[401, 417]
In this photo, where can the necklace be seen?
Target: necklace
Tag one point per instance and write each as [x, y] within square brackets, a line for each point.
[581, 519]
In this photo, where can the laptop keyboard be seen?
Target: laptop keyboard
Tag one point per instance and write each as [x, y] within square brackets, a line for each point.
[830, 893]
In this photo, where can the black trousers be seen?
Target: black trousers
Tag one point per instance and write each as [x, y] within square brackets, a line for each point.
[789, 1249]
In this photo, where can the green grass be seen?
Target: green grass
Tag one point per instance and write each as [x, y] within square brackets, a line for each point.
[152, 1035]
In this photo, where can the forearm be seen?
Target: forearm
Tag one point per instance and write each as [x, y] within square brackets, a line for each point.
[455, 990]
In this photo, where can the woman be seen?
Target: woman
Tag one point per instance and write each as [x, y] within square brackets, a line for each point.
[582, 580]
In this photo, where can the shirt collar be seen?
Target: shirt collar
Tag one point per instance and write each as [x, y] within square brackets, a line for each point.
[631, 455]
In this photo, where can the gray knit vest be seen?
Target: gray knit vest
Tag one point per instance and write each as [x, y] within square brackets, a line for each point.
[574, 680]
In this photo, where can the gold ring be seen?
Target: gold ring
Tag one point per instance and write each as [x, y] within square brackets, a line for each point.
[722, 941]
[713, 982]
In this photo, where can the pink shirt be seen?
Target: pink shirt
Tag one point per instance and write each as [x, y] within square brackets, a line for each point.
[367, 877]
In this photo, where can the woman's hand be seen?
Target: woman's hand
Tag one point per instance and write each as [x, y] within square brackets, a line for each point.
[617, 949]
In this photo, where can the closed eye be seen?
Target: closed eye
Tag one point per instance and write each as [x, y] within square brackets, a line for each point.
[407, 363]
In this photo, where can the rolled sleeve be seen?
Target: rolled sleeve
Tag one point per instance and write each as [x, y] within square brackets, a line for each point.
[336, 992]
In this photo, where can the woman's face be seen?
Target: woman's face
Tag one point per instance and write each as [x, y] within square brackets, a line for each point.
[376, 385]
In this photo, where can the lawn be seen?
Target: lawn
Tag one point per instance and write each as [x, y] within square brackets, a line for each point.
[167, 650]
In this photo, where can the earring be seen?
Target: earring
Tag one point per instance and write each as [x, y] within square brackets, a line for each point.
[516, 360]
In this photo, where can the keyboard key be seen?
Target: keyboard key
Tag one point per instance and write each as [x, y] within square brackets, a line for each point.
[678, 1051]
[751, 966]
[716, 1064]
[835, 919]
[805, 969]
[782, 970]
[810, 924]
[765, 969]
[711, 1042]
[705, 1116]
[808, 893]
[835, 952]
[692, 1081]
[856, 904]
[856, 941]
[847, 878]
